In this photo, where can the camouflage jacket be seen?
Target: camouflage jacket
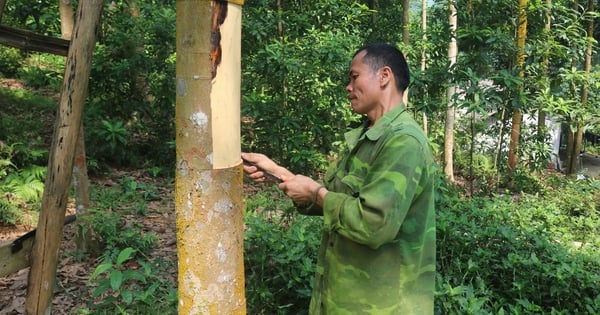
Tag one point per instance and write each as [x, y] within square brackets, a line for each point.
[377, 254]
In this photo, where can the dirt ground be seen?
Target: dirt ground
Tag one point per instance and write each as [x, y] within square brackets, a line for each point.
[72, 291]
[591, 165]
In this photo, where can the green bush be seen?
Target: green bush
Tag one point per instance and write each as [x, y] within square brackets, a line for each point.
[20, 188]
[294, 101]
[125, 289]
[9, 212]
[280, 255]
[506, 255]
[127, 280]
[10, 61]
[132, 90]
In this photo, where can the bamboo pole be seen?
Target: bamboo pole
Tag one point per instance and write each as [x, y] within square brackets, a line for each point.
[60, 165]
[208, 182]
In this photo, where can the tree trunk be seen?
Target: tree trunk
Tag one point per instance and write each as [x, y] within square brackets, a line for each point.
[405, 22]
[375, 9]
[575, 145]
[574, 161]
[2, 6]
[405, 36]
[517, 117]
[541, 125]
[60, 165]
[208, 183]
[572, 151]
[515, 134]
[284, 86]
[451, 91]
[81, 184]
[424, 53]
[66, 19]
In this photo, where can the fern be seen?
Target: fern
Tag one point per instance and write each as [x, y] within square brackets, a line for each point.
[25, 185]
[9, 213]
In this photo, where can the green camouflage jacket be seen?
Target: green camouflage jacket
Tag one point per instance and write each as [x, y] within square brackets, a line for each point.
[377, 254]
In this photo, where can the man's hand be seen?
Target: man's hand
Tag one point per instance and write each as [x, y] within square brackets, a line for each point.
[261, 165]
[302, 190]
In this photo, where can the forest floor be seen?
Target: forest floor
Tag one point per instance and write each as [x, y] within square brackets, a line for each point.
[590, 165]
[72, 289]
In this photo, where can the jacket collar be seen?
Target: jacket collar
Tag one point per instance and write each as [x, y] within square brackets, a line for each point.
[374, 133]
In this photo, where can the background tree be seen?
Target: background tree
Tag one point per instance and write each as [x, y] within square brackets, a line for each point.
[451, 93]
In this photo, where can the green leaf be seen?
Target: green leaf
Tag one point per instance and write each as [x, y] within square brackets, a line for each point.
[100, 289]
[125, 255]
[100, 269]
[127, 296]
[116, 279]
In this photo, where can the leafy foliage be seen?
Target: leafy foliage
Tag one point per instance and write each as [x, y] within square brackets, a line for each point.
[529, 254]
[534, 251]
[127, 280]
[10, 61]
[131, 285]
[280, 250]
[132, 103]
[298, 118]
[509, 256]
[20, 189]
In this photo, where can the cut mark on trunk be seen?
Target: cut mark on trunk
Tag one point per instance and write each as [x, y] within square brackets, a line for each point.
[219, 13]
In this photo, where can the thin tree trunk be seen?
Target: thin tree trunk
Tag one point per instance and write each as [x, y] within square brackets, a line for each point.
[571, 155]
[575, 161]
[424, 54]
[541, 121]
[517, 116]
[46, 246]
[284, 86]
[2, 6]
[375, 9]
[84, 231]
[405, 22]
[67, 16]
[208, 183]
[405, 36]
[572, 151]
[451, 91]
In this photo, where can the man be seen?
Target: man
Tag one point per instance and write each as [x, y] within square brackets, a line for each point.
[377, 254]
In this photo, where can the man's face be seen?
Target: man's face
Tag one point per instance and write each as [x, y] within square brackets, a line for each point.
[363, 86]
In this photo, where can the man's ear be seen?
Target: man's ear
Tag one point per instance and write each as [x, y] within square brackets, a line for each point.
[386, 76]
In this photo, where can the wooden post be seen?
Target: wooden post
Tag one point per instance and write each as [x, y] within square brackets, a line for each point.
[2, 5]
[208, 182]
[60, 166]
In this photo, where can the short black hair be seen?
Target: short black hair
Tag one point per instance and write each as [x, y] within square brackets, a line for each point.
[379, 55]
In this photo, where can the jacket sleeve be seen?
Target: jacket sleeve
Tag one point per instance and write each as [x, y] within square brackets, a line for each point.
[378, 196]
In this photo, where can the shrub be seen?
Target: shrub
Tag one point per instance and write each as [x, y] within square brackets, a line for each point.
[10, 61]
[280, 255]
[130, 284]
[505, 255]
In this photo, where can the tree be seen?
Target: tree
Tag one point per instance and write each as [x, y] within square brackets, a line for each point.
[577, 137]
[517, 115]
[451, 94]
[208, 182]
[60, 166]
[81, 183]
[424, 51]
